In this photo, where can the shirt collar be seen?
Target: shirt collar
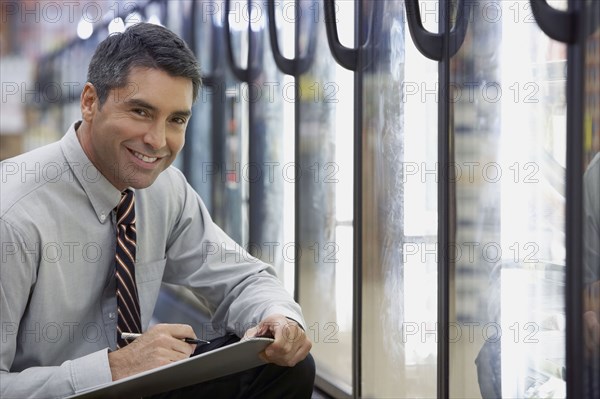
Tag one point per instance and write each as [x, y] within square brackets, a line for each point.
[103, 196]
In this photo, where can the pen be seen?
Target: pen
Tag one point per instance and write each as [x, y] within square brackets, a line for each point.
[197, 341]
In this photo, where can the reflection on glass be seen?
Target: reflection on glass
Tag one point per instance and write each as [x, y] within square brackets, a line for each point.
[52, 110]
[175, 15]
[591, 302]
[206, 33]
[507, 297]
[235, 150]
[267, 157]
[325, 203]
[220, 147]
[205, 135]
[399, 355]
[591, 206]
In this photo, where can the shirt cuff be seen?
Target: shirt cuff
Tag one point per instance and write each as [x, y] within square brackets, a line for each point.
[288, 313]
[91, 370]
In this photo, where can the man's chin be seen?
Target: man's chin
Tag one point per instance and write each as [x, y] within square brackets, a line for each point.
[142, 180]
[139, 184]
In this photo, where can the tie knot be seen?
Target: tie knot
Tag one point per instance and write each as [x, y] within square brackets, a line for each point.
[126, 208]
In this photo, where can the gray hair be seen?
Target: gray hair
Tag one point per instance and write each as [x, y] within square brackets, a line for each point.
[141, 45]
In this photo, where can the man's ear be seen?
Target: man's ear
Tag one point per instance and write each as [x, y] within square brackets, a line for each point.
[89, 102]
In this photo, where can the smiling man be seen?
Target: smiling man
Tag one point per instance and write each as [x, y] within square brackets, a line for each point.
[139, 130]
[85, 250]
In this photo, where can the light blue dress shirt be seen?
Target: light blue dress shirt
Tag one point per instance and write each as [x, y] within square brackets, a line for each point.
[57, 289]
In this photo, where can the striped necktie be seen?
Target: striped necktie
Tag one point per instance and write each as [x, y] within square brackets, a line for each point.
[128, 308]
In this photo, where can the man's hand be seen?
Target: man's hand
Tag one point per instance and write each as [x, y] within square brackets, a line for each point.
[591, 333]
[160, 345]
[291, 344]
[591, 319]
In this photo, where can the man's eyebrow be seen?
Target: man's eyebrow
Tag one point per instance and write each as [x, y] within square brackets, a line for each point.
[144, 104]
[140, 103]
[185, 113]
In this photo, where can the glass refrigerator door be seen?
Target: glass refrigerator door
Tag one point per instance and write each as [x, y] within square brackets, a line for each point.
[508, 117]
[399, 298]
[324, 172]
[204, 135]
[591, 205]
[270, 230]
[46, 122]
[178, 19]
[229, 122]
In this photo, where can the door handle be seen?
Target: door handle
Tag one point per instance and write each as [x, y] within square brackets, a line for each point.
[347, 57]
[558, 25]
[253, 67]
[431, 44]
[291, 66]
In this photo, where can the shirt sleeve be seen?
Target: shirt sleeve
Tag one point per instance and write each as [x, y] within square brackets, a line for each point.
[17, 277]
[238, 289]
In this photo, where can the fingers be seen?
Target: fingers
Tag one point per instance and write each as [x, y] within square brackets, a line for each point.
[170, 336]
[250, 333]
[591, 332]
[179, 331]
[291, 351]
[291, 344]
[162, 344]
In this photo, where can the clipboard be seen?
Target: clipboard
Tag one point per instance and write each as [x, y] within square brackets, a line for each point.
[207, 366]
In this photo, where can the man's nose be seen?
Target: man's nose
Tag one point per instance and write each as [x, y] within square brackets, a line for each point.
[156, 136]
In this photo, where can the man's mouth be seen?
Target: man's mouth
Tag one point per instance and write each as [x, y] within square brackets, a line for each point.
[143, 157]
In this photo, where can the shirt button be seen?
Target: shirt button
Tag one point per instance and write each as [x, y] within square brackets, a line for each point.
[112, 315]
[102, 216]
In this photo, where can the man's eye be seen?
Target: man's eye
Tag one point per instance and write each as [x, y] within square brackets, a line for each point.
[179, 121]
[140, 112]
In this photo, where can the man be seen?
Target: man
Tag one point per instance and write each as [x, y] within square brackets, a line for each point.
[91, 225]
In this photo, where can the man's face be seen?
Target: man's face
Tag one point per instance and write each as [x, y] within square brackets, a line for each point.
[140, 128]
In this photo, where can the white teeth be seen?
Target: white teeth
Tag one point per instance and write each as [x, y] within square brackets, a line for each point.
[144, 158]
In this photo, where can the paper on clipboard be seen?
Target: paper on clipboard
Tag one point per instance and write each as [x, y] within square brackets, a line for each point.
[223, 361]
